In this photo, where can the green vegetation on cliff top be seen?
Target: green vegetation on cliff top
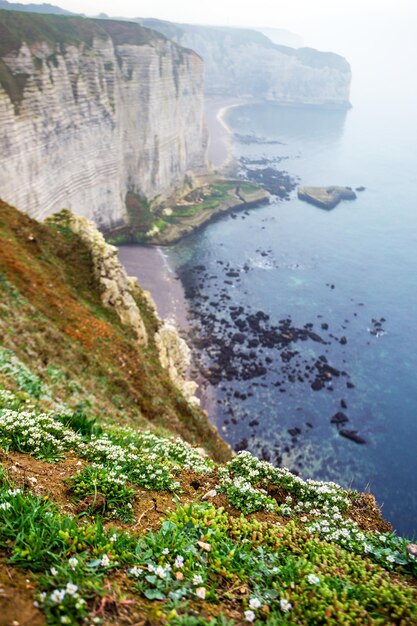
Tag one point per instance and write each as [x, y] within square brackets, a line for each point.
[17, 27]
[108, 517]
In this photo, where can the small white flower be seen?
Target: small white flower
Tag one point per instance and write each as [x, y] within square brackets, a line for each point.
[113, 538]
[73, 562]
[160, 571]
[312, 579]
[54, 571]
[254, 603]
[249, 616]
[382, 538]
[285, 605]
[200, 592]
[57, 596]
[304, 518]
[179, 561]
[71, 589]
[105, 561]
[197, 580]
[135, 571]
[390, 558]
[165, 551]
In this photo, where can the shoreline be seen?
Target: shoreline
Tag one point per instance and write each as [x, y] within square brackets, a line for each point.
[219, 149]
[151, 267]
[149, 264]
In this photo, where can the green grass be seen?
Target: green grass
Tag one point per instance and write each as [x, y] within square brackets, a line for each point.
[285, 574]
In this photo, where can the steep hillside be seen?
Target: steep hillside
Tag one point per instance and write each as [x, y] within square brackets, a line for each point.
[68, 319]
[33, 8]
[91, 110]
[245, 63]
[106, 518]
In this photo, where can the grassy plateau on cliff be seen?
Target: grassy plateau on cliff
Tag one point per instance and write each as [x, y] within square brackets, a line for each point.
[111, 513]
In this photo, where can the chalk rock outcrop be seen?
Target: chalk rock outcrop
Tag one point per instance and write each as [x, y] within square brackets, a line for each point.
[116, 286]
[326, 197]
[245, 63]
[118, 291]
[175, 357]
[92, 109]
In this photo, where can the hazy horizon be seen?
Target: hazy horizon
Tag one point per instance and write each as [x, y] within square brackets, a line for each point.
[327, 25]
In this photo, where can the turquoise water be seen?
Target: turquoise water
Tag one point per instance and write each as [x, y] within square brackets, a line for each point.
[287, 255]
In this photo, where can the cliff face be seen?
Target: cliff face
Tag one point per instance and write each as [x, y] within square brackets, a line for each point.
[92, 109]
[245, 63]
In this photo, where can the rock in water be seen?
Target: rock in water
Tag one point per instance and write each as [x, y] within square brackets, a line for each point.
[326, 197]
[339, 418]
[352, 435]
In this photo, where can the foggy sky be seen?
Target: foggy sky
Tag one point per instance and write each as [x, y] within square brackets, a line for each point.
[326, 24]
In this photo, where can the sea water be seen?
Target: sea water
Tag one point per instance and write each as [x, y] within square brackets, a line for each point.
[347, 267]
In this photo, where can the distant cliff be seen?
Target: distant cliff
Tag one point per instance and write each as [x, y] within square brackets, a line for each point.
[93, 109]
[245, 63]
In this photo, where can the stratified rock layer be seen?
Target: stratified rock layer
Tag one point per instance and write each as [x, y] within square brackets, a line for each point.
[92, 109]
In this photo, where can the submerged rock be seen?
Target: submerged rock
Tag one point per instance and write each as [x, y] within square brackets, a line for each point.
[339, 418]
[352, 435]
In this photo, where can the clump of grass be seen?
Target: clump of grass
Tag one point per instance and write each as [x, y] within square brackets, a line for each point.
[116, 497]
[70, 558]
[80, 422]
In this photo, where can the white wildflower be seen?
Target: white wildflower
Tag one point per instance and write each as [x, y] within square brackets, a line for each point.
[71, 589]
[312, 579]
[179, 561]
[105, 561]
[254, 603]
[57, 596]
[249, 616]
[160, 572]
[200, 592]
[285, 605]
[197, 580]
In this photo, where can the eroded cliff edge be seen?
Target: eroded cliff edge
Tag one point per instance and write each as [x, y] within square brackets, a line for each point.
[93, 109]
[244, 63]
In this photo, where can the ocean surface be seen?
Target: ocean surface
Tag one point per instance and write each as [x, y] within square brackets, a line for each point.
[353, 268]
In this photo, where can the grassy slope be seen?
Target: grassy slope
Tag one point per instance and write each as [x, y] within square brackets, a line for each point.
[51, 315]
[101, 523]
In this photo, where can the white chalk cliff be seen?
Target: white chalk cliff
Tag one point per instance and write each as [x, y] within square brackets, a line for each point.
[245, 63]
[92, 109]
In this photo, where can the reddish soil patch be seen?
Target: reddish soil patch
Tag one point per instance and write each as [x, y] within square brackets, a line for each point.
[50, 477]
[17, 595]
